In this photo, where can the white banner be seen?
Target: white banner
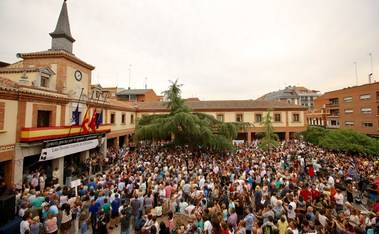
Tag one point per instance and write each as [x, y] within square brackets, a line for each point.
[75, 183]
[63, 150]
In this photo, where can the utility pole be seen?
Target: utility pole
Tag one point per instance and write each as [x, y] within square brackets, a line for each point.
[372, 69]
[356, 73]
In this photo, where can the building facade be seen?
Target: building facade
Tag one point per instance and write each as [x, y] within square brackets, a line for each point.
[294, 94]
[353, 107]
[39, 95]
[288, 119]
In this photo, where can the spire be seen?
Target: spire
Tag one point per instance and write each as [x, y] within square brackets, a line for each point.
[61, 37]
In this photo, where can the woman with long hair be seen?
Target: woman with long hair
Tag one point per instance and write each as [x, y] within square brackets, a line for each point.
[66, 218]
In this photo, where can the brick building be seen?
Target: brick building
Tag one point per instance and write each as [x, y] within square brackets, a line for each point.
[353, 107]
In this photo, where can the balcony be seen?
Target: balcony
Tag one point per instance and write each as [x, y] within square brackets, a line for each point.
[332, 126]
[48, 133]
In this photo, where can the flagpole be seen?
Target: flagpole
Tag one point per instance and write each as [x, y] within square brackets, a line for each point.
[77, 109]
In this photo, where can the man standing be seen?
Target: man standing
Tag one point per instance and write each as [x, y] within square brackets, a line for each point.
[249, 219]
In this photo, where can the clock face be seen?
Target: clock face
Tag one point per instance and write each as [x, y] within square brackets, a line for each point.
[78, 75]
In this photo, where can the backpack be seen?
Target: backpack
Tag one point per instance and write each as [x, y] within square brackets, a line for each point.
[267, 229]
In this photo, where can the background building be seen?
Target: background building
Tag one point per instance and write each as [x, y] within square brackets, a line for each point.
[293, 94]
[353, 107]
[288, 119]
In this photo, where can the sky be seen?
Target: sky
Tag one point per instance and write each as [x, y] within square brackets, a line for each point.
[218, 49]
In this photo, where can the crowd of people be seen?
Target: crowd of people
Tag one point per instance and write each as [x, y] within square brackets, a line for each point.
[295, 188]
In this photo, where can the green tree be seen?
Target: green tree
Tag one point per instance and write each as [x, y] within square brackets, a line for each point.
[186, 127]
[342, 140]
[270, 138]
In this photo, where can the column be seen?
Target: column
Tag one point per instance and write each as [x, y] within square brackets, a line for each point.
[59, 163]
[287, 136]
[84, 155]
[116, 142]
[249, 137]
[103, 147]
[18, 167]
[126, 142]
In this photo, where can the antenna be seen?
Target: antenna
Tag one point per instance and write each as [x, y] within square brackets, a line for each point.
[130, 74]
[371, 74]
[356, 73]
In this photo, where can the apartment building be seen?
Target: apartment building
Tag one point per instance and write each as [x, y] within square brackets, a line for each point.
[354, 107]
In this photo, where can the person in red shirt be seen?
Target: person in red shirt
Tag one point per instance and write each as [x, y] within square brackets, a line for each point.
[306, 193]
[315, 194]
[311, 171]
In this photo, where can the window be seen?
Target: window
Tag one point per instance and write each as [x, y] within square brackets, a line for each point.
[348, 111]
[365, 96]
[334, 123]
[348, 99]
[113, 118]
[131, 119]
[220, 117]
[43, 119]
[2, 115]
[366, 110]
[367, 125]
[334, 112]
[377, 96]
[123, 118]
[333, 101]
[349, 123]
[258, 118]
[277, 117]
[44, 82]
[239, 117]
[296, 118]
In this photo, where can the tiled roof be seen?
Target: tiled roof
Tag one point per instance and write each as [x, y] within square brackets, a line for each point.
[23, 69]
[133, 92]
[222, 105]
[55, 53]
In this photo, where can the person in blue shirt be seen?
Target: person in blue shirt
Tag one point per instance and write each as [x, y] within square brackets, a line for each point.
[115, 205]
[249, 219]
[94, 210]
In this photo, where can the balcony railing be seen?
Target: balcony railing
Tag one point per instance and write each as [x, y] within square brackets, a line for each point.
[332, 105]
[48, 133]
[333, 126]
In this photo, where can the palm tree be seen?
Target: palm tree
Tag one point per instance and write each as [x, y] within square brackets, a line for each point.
[270, 138]
[185, 127]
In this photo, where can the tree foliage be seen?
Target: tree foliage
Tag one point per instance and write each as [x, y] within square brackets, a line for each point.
[186, 127]
[342, 140]
[270, 138]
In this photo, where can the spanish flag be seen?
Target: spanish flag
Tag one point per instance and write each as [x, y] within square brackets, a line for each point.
[84, 127]
[92, 124]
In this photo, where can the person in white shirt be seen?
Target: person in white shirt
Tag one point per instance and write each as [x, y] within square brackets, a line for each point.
[25, 225]
[338, 197]
[208, 227]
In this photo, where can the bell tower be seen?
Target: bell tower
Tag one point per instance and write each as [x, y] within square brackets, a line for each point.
[61, 37]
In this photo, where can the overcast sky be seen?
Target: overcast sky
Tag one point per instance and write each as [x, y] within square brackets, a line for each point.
[219, 49]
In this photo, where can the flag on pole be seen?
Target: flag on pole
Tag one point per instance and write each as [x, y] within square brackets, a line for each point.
[75, 116]
[84, 126]
[99, 119]
[93, 123]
